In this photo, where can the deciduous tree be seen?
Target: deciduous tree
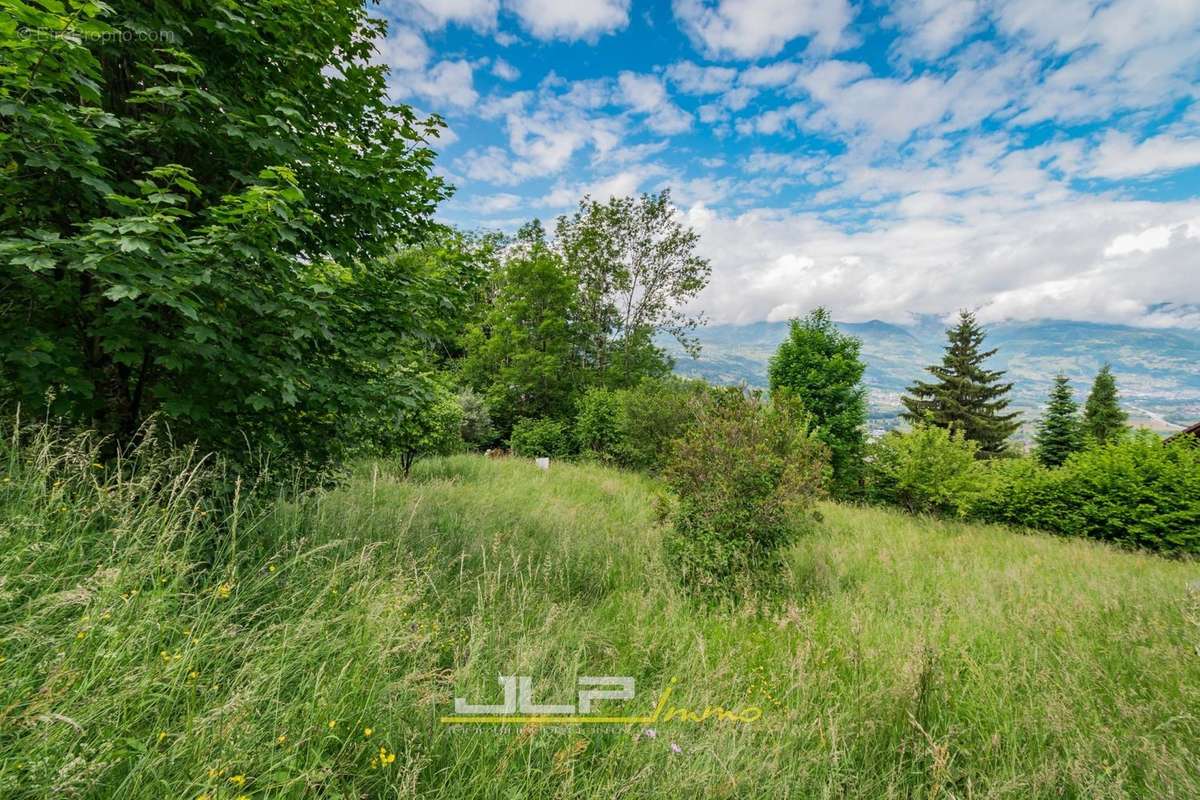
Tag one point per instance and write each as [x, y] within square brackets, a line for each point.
[636, 267]
[195, 202]
[820, 366]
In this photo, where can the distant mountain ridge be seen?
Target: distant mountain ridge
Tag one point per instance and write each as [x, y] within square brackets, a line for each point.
[1158, 370]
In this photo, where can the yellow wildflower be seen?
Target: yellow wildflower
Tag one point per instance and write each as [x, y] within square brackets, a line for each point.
[224, 590]
[332, 724]
[367, 732]
[238, 780]
[81, 635]
[271, 568]
[281, 738]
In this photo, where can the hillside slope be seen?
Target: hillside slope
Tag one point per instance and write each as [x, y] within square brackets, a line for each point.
[314, 653]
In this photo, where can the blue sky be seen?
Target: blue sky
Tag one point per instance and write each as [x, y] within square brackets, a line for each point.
[1026, 158]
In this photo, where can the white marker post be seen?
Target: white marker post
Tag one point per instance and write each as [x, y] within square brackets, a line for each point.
[543, 462]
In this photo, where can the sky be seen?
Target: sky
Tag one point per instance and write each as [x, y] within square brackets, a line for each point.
[1025, 158]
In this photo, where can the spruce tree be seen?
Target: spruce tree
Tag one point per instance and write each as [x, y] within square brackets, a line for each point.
[1059, 432]
[965, 396]
[1103, 418]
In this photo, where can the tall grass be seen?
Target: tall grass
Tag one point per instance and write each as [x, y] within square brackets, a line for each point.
[160, 644]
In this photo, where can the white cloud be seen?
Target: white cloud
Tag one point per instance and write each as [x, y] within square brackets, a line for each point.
[497, 202]
[692, 78]
[1044, 261]
[403, 49]
[747, 29]
[1118, 156]
[448, 82]
[578, 19]
[1147, 241]
[504, 70]
[620, 184]
[647, 95]
[933, 27]
[770, 75]
[433, 14]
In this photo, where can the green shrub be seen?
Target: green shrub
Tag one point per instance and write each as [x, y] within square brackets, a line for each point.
[1135, 491]
[532, 438]
[742, 473]
[427, 429]
[651, 416]
[596, 418]
[925, 470]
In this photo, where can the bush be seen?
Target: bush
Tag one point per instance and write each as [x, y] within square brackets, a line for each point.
[652, 415]
[743, 473]
[476, 428]
[596, 422]
[427, 429]
[1136, 491]
[925, 470]
[532, 438]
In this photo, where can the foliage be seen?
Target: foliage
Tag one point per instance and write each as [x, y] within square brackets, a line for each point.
[743, 473]
[926, 470]
[651, 416]
[635, 265]
[521, 354]
[965, 396]
[193, 209]
[1136, 491]
[597, 422]
[1103, 418]
[1059, 432]
[430, 427]
[476, 430]
[635, 427]
[533, 438]
[821, 367]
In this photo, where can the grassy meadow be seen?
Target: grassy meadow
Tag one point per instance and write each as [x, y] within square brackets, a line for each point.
[155, 646]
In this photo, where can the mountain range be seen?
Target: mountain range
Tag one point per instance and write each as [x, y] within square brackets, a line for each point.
[1157, 369]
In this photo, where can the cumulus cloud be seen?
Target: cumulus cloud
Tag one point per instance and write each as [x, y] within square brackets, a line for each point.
[504, 70]
[1118, 156]
[647, 95]
[691, 78]
[747, 29]
[447, 82]
[988, 157]
[1054, 261]
[403, 49]
[432, 14]
[579, 19]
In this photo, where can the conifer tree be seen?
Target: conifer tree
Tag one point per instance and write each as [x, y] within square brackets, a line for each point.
[1103, 417]
[1059, 432]
[965, 396]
